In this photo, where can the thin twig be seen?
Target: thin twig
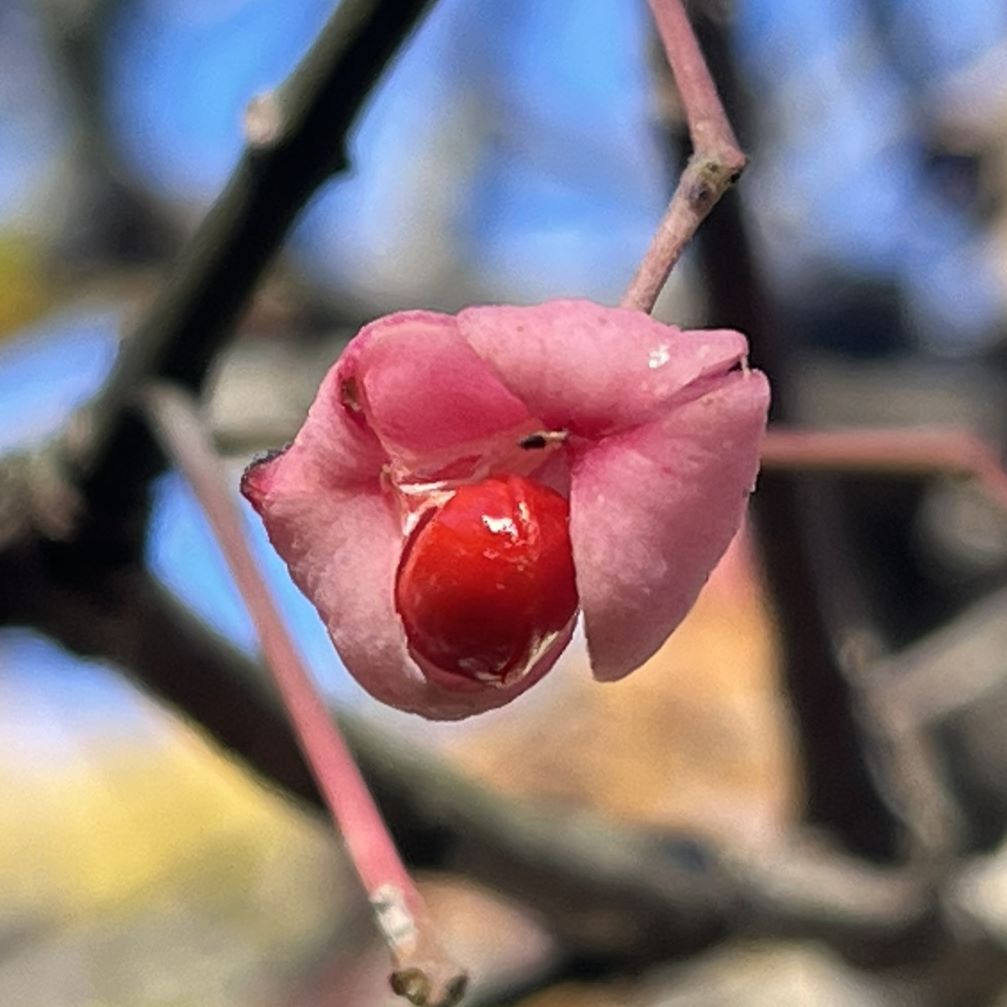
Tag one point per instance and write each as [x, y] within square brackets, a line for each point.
[423, 973]
[714, 166]
[908, 452]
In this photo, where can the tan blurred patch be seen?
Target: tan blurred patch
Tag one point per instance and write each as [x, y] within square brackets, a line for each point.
[697, 738]
[506, 937]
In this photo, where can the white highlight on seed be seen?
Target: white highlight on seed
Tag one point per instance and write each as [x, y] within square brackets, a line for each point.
[501, 525]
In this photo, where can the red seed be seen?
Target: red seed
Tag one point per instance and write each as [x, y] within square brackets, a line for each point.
[487, 580]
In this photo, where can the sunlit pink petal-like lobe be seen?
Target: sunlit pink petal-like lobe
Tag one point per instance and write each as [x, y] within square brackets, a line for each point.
[425, 392]
[669, 430]
[330, 518]
[652, 511]
[590, 369]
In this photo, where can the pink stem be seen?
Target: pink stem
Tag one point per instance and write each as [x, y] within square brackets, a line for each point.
[911, 451]
[716, 160]
[423, 974]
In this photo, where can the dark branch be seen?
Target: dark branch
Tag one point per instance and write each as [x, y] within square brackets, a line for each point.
[807, 572]
[618, 897]
[108, 452]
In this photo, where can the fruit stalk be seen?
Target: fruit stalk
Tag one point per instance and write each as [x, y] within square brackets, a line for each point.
[423, 972]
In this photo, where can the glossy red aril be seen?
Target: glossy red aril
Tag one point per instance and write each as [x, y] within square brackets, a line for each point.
[486, 581]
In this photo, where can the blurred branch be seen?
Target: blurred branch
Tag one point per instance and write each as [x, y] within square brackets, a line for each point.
[951, 686]
[617, 897]
[423, 972]
[715, 164]
[954, 667]
[809, 571]
[898, 453]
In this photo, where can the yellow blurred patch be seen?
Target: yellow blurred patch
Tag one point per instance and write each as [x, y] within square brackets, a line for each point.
[24, 292]
[127, 820]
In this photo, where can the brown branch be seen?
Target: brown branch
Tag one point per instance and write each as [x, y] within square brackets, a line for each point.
[107, 451]
[423, 972]
[115, 221]
[716, 160]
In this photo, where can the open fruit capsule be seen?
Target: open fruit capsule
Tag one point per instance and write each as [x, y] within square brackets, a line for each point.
[463, 483]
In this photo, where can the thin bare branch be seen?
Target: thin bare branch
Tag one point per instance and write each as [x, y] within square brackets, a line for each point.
[714, 166]
[107, 450]
[909, 452]
[423, 973]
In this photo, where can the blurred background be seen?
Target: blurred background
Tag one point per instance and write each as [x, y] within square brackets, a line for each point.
[519, 150]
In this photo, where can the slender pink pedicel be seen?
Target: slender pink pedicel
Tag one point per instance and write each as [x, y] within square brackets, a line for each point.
[621, 451]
